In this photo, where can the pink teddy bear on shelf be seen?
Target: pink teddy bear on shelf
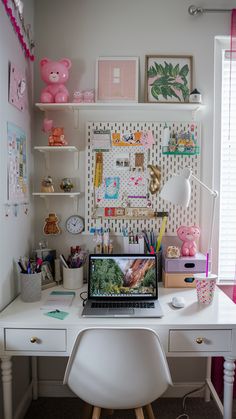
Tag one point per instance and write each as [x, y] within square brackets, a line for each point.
[188, 235]
[55, 74]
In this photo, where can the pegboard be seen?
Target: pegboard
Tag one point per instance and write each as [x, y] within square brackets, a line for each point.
[169, 164]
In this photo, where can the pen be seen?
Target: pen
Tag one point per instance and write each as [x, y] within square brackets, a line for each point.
[23, 270]
[54, 311]
[28, 268]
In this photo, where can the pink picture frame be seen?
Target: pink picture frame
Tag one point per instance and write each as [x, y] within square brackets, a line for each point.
[117, 79]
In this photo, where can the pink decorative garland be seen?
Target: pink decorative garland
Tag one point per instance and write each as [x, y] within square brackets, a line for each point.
[18, 30]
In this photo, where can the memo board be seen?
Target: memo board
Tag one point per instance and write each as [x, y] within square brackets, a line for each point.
[169, 164]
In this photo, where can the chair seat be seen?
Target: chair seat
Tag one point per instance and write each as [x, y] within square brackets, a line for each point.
[118, 368]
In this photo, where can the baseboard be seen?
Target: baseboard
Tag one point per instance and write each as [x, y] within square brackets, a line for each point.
[53, 388]
[24, 404]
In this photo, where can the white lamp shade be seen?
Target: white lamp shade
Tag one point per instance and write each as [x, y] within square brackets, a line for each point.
[177, 189]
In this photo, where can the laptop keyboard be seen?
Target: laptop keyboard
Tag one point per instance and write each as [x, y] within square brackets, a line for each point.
[135, 304]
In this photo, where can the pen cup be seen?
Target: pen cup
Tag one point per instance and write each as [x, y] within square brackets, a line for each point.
[205, 286]
[31, 287]
[72, 278]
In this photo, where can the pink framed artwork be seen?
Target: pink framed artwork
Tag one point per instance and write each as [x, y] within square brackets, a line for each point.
[17, 88]
[117, 79]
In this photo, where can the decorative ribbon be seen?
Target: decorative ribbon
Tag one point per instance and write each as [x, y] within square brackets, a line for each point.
[18, 31]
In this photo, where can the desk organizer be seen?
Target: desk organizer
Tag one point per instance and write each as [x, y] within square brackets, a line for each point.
[193, 264]
[135, 248]
[178, 280]
[30, 286]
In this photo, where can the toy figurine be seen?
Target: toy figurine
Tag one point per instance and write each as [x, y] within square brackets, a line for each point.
[188, 235]
[51, 225]
[173, 252]
[46, 185]
[66, 184]
[55, 74]
[57, 137]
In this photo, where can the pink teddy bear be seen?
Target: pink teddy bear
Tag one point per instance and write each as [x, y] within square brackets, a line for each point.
[55, 74]
[188, 235]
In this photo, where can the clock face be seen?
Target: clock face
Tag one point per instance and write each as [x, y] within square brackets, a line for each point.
[75, 224]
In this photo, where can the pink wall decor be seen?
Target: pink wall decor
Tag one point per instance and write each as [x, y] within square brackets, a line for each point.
[117, 79]
[17, 90]
[14, 11]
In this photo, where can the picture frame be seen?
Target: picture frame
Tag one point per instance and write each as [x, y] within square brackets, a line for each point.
[117, 79]
[168, 78]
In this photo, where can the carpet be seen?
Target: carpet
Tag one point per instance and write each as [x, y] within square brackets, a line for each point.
[164, 408]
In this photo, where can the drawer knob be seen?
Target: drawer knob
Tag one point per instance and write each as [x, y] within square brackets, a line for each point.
[200, 340]
[33, 339]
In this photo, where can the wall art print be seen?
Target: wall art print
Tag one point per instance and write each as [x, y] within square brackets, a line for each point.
[168, 78]
[17, 88]
[17, 164]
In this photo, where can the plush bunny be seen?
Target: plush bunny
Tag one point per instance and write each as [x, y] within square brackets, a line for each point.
[188, 235]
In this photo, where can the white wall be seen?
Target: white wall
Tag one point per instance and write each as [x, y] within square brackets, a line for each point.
[83, 30]
[17, 233]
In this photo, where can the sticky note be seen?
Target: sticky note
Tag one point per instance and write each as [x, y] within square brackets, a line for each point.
[57, 314]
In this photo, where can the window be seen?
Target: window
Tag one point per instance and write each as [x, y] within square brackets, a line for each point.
[225, 136]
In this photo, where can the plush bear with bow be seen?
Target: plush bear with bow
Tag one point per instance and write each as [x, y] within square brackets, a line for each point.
[188, 235]
[55, 74]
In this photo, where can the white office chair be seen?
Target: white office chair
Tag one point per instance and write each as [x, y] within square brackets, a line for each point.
[114, 368]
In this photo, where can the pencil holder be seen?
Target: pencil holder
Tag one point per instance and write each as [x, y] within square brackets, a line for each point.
[72, 278]
[31, 287]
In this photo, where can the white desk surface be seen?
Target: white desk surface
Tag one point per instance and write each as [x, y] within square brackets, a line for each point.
[221, 313]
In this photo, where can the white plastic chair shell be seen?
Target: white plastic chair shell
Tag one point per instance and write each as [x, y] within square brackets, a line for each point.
[116, 368]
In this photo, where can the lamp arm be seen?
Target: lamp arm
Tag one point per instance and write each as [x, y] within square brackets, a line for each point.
[212, 191]
[214, 195]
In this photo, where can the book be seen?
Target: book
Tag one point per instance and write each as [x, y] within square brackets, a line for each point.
[58, 299]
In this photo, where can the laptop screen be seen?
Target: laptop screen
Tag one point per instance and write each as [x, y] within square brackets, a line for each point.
[122, 276]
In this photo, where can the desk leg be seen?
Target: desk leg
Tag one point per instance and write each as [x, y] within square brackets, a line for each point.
[229, 368]
[34, 369]
[6, 367]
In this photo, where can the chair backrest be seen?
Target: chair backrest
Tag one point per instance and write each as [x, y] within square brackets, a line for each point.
[118, 368]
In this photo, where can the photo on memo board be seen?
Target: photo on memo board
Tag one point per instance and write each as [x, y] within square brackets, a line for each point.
[117, 79]
[168, 78]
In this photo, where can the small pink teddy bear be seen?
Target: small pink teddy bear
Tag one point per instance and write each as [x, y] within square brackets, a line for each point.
[55, 74]
[188, 235]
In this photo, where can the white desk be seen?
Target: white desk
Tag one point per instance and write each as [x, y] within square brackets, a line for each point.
[191, 331]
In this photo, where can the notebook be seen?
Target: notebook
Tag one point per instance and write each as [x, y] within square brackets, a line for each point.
[122, 286]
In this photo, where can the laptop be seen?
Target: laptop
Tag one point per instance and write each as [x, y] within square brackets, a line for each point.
[122, 286]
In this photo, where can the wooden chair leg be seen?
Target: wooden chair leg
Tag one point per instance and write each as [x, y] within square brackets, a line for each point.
[109, 412]
[96, 412]
[139, 413]
[149, 411]
[87, 410]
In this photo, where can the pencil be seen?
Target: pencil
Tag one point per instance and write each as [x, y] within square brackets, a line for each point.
[162, 230]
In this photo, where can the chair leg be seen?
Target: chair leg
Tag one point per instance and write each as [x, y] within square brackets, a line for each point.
[149, 411]
[87, 410]
[109, 412]
[96, 412]
[139, 413]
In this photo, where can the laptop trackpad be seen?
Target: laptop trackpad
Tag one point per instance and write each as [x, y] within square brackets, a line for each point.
[122, 312]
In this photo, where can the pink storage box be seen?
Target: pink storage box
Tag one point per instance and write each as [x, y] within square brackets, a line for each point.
[183, 264]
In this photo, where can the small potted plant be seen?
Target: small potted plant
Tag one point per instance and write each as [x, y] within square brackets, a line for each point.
[66, 184]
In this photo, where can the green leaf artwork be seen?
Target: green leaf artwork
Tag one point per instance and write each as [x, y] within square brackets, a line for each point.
[168, 81]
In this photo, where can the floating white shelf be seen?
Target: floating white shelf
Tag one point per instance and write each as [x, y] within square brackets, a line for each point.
[117, 106]
[46, 195]
[67, 194]
[52, 149]
[45, 148]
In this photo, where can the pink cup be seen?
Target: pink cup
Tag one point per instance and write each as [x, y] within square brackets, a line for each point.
[205, 287]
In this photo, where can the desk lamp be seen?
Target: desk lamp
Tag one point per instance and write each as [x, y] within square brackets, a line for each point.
[177, 190]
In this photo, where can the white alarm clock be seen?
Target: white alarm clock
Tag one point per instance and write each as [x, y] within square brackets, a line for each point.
[74, 224]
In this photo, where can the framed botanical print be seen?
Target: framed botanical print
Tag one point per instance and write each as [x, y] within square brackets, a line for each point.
[168, 78]
[117, 79]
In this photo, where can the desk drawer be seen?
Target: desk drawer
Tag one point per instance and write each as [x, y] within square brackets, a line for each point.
[47, 340]
[200, 340]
